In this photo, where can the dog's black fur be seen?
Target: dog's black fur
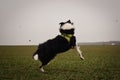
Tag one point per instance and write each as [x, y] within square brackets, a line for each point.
[49, 49]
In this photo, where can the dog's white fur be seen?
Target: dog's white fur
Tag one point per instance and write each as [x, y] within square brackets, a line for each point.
[42, 70]
[35, 57]
[79, 52]
[67, 26]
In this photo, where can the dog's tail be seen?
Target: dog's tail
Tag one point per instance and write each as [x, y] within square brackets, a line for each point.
[35, 56]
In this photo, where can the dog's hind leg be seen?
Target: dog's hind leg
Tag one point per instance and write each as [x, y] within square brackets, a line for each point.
[41, 68]
[45, 61]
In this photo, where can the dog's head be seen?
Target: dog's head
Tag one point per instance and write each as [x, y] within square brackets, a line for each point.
[67, 27]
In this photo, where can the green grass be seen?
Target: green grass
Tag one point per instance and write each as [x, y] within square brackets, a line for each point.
[101, 63]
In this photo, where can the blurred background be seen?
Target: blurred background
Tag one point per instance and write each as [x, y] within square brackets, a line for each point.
[30, 22]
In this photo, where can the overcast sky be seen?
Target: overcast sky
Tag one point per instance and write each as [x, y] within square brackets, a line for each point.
[38, 20]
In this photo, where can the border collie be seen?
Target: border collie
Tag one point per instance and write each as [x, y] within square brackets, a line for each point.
[61, 43]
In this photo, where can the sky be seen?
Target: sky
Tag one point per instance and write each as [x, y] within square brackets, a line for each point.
[30, 22]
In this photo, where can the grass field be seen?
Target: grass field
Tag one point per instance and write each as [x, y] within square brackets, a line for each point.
[101, 63]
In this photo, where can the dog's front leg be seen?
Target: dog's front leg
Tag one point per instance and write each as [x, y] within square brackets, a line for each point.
[79, 52]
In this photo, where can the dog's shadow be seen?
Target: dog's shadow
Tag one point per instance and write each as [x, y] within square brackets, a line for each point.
[55, 71]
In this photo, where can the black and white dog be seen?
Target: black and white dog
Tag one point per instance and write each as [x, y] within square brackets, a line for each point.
[61, 43]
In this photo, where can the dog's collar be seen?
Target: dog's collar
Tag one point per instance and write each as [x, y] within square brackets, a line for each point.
[67, 36]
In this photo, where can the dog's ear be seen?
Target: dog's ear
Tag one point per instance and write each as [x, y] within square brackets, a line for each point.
[68, 21]
[62, 23]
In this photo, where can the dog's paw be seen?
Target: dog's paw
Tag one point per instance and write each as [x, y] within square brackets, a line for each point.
[42, 70]
[82, 58]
